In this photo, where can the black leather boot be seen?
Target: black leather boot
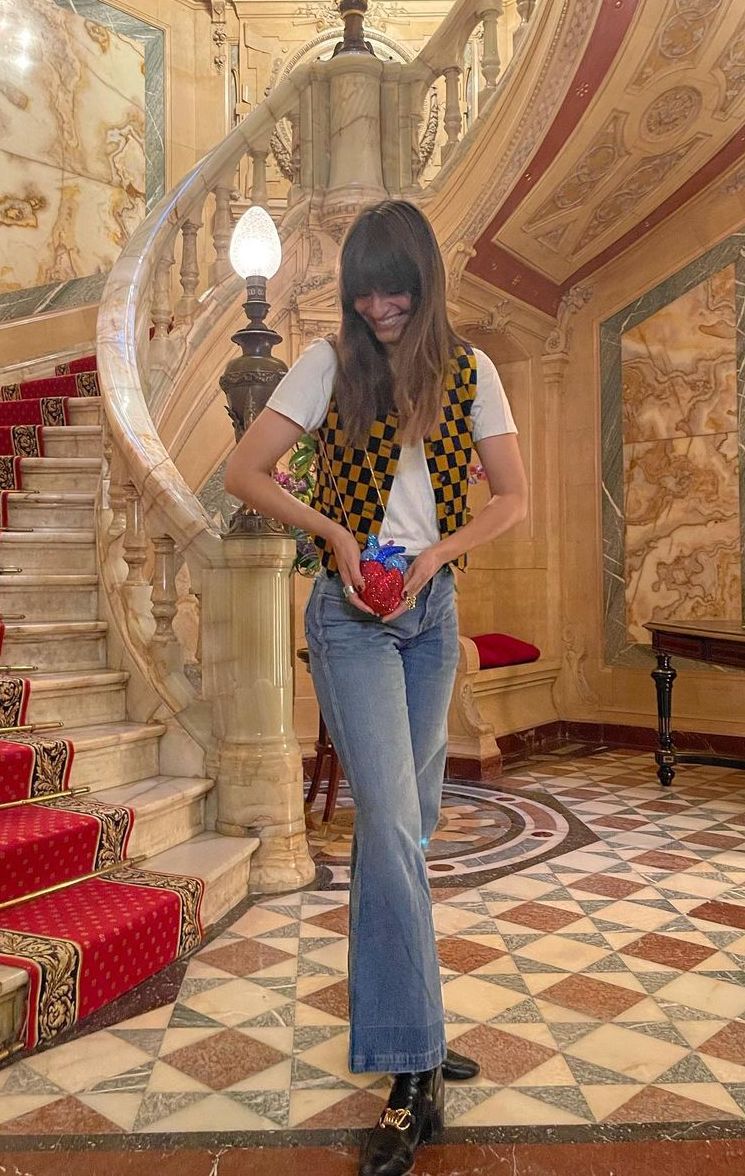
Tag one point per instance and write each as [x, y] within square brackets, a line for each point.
[415, 1114]
[457, 1068]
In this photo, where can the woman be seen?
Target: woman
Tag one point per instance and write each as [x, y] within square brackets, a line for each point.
[395, 402]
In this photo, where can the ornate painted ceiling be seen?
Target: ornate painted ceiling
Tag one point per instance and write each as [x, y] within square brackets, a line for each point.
[634, 107]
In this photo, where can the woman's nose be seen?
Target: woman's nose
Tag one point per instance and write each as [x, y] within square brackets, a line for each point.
[377, 304]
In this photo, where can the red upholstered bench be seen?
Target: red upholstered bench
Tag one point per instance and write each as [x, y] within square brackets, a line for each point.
[503, 685]
[500, 649]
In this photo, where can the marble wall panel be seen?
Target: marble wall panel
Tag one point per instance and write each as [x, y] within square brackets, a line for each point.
[679, 374]
[682, 530]
[81, 125]
[673, 381]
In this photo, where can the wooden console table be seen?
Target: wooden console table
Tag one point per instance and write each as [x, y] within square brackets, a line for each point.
[720, 642]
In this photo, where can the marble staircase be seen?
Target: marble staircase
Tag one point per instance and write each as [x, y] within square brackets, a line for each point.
[55, 625]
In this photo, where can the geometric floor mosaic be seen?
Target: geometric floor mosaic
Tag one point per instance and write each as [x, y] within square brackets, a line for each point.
[484, 831]
[600, 987]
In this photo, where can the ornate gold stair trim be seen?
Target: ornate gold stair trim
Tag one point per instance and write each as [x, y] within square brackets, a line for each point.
[13, 902]
[47, 796]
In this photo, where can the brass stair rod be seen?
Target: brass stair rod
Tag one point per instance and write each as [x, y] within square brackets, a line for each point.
[10, 1050]
[49, 796]
[16, 669]
[53, 724]
[11, 571]
[71, 882]
[16, 530]
[12, 617]
[22, 491]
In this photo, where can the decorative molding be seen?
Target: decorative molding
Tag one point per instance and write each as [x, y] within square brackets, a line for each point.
[604, 153]
[732, 65]
[558, 341]
[644, 178]
[671, 111]
[685, 29]
[457, 259]
[429, 136]
[538, 116]
[326, 16]
[495, 322]
[575, 657]
[734, 182]
[219, 34]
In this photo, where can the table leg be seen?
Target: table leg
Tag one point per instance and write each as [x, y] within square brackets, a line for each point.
[664, 676]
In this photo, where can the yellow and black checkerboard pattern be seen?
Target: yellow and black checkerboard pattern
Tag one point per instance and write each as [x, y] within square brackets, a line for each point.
[346, 490]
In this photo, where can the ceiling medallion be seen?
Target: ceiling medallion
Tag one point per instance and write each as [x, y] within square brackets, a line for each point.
[671, 111]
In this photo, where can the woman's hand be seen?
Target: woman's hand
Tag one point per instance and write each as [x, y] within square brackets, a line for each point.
[347, 556]
[424, 568]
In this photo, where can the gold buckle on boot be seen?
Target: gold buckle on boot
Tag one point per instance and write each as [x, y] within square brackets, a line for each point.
[398, 1117]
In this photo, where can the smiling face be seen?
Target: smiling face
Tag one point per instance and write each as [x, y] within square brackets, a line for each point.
[387, 315]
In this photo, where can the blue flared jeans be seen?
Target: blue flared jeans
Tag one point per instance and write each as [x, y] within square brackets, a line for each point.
[384, 691]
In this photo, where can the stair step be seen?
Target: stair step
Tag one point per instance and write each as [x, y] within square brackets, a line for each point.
[109, 754]
[13, 983]
[72, 441]
[57, 551]
[169, 810]
[50, 598]
[57, 645]
[222, 863]
[51, 512]
[79, 700]
[85, 410]
[43, 847]
[61, 473]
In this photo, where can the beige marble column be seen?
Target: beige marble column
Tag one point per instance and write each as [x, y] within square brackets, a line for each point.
[355, 158]
[247, 674]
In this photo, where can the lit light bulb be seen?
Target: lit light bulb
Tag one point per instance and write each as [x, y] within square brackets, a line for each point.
[255, 249]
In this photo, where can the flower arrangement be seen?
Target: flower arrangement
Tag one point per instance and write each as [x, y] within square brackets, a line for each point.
[299, 481]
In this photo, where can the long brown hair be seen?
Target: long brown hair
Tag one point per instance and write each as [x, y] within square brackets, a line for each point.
[390, 248]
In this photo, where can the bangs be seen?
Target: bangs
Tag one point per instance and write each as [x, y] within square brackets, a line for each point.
[372, 261]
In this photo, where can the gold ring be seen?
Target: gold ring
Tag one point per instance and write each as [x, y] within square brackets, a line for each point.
[409, 600]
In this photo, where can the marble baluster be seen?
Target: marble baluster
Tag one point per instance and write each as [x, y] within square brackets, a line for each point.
[453, 121]
[135, 537]
[490, 62]
[525, 11]
[222, 228]
[165, 645]
[258, 177]
[189, 271]
[161, 311]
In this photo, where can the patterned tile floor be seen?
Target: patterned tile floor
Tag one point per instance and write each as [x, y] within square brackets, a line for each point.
[598, 987]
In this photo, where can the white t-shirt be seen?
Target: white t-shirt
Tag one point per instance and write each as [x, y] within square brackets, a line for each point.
[304, 394]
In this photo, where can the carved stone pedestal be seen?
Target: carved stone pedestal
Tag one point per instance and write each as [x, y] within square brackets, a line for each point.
[247, 673]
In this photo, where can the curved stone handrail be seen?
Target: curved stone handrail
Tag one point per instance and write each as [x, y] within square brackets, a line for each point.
[122, 331]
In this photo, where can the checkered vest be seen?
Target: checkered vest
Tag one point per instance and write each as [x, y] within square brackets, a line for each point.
[447, 449]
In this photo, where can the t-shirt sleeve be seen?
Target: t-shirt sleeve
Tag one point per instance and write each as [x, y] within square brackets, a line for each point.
[304, 393]
[491, 414]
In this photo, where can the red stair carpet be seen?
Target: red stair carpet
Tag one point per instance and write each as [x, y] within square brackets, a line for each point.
[94, 939]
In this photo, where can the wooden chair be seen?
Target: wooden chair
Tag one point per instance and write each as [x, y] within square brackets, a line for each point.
[325, 750]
